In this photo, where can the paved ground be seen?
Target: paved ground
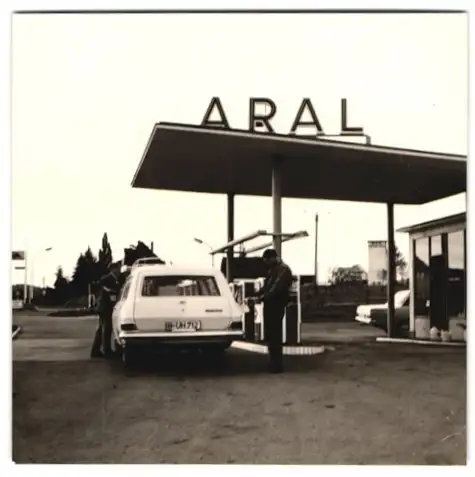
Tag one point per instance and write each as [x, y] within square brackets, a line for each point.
[339, 332]
[362, 403]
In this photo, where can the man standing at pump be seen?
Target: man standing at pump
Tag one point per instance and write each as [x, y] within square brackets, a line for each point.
[275, 296]
[108, 295]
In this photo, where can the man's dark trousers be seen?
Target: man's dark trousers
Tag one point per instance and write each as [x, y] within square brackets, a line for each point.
[102, 338]
[106, 319]
[273, 316]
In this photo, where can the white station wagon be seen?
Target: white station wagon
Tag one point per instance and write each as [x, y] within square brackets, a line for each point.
[164, 305]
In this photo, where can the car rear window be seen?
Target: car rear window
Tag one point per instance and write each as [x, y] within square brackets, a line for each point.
[179, 285]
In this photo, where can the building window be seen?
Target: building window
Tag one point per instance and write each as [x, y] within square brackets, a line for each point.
[435, 245]
[421, 277]
[456, 274]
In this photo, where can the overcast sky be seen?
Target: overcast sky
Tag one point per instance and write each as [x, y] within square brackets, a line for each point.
[87, 90]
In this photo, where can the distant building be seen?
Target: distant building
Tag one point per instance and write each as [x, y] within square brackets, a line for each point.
[377, 262]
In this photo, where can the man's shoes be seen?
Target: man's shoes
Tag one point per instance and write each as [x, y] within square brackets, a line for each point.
[96, 354]
[276, 369]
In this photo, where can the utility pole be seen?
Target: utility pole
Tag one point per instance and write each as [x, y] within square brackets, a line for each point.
[316, 249]
[25, 287]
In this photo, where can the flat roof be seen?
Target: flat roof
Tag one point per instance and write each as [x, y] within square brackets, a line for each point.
[432, 224]
[210, 160]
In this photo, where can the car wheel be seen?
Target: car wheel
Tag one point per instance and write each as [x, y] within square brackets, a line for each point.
[216, 348]
[129, 357]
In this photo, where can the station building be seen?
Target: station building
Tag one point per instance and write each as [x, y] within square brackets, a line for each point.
[438, 266]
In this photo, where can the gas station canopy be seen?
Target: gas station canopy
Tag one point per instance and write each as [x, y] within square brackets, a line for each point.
[232, 162]
[210, 160]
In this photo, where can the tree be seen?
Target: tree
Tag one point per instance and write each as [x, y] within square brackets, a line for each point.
[401, 264]
[61, 286]
[85, 274]
[105, 257]
[353, 274]
[135, 252]
[90, 266]
[80, 279]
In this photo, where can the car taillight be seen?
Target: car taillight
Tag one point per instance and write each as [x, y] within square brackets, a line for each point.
[128, 326]
[236, 325]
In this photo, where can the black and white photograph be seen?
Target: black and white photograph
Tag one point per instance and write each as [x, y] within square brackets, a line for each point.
[237, 237]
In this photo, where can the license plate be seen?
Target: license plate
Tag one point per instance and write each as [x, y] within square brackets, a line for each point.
[184, 326]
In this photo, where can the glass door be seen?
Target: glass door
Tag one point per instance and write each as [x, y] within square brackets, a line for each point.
[438, 282]
[421, 277]
[456, 282]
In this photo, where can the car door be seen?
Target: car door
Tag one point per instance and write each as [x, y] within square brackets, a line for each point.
[158, 302]
[207, 304]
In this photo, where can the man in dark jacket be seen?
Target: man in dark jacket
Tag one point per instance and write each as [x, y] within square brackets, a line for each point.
[275, 296]
[109, 290]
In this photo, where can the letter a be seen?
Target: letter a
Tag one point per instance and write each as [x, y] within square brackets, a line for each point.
[306, 103]
[222, 122]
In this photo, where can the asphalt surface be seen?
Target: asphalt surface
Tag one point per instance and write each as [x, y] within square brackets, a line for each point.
[359, 403]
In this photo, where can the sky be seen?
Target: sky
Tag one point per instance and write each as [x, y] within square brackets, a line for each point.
[87, 90]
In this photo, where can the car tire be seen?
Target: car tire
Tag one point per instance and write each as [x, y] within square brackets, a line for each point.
[215, 349]
[129, 357]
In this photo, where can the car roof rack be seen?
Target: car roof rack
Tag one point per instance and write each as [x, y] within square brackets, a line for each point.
[142, 261]
[147, 261]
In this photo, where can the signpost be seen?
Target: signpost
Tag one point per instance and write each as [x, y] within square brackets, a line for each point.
[20, 255]
[316, 250]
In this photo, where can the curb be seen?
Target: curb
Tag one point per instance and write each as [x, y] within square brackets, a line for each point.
[339, 341]
[288, 350]
[16, 332]
[453, 344]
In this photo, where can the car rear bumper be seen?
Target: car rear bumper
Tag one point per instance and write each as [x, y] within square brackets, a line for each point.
[364, 319]
[179, 338]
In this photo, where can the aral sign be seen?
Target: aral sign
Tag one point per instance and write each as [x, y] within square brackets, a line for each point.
[265, 120]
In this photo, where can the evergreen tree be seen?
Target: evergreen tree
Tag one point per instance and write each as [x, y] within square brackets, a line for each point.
[90, 266]
[105, 257]
[80, 279]
[61, 286]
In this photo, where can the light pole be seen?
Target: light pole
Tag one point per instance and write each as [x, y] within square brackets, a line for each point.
[32, 274]
[201, 242]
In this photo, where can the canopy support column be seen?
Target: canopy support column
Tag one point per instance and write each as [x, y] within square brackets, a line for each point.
[277, 204]
[391, 289]
[230, 250]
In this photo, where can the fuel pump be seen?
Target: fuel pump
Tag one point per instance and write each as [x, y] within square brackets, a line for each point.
[242, 289]
[292, 321]
[253, 318]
